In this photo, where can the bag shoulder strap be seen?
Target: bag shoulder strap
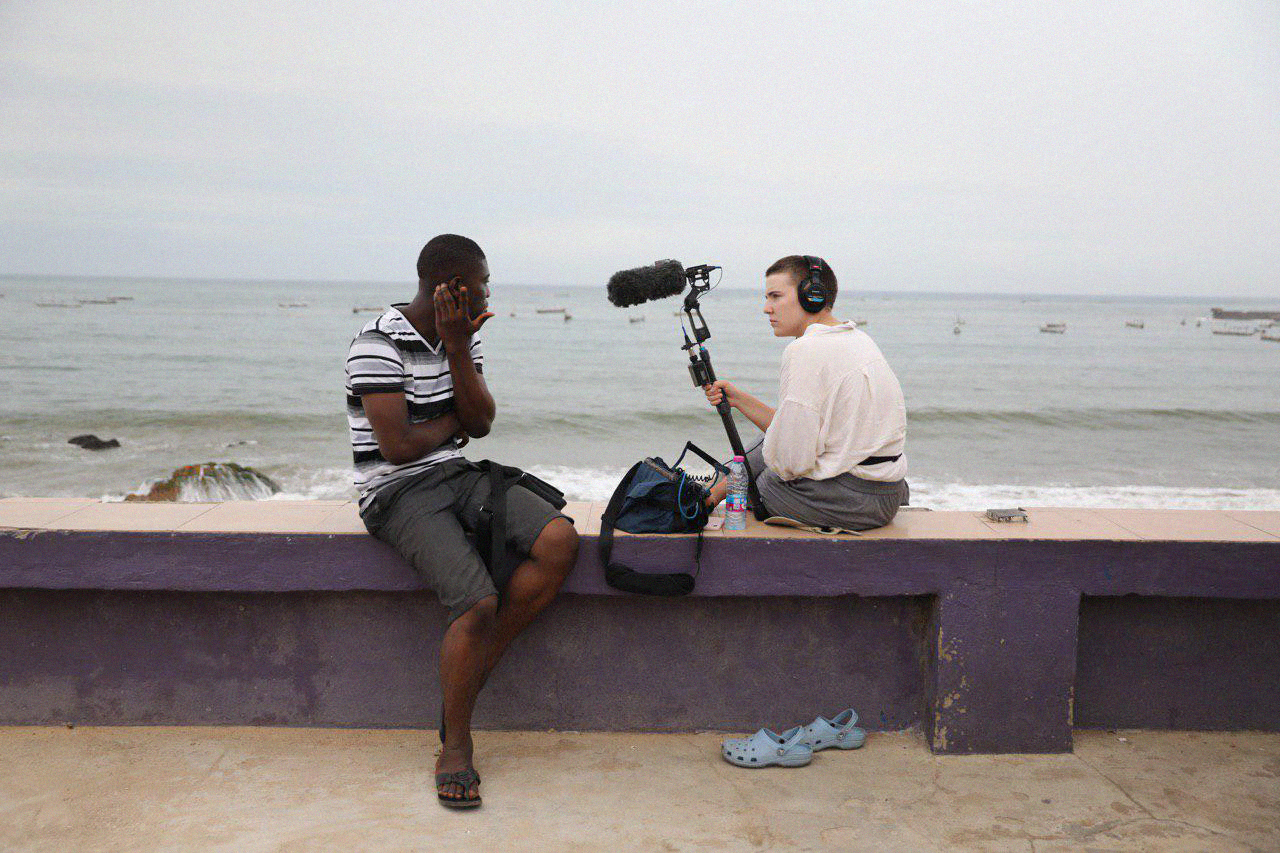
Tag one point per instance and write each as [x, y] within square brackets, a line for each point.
[610, 517]
[501, 478]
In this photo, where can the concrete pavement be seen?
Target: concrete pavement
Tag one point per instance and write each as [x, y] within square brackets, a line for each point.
[273, 789]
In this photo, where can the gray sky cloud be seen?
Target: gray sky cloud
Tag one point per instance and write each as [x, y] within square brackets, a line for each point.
[1111, 147]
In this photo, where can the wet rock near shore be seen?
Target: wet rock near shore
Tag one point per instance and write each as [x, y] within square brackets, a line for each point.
[89, 441]
[211, 481]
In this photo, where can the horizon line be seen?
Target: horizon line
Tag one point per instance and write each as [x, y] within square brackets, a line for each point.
[323, 282]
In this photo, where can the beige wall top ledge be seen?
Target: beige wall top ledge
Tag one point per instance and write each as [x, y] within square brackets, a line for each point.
[340, 517]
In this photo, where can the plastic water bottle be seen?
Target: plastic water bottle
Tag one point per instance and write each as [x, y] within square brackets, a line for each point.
[735, 502]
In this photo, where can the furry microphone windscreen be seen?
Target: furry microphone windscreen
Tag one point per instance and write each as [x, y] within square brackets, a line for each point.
[657, 281]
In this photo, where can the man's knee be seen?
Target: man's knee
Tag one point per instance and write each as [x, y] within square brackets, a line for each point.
[480, 618]
[557, 543]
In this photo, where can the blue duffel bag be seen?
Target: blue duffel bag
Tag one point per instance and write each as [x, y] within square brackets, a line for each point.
[654, 497]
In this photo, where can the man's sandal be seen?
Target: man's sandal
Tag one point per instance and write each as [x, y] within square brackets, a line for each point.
[462, 778]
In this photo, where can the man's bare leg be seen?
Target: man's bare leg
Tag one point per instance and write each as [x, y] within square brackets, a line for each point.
[464, 655]
[534, 584]
[476, 640]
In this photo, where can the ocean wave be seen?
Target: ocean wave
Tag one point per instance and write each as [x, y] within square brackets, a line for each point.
[595, 422]
[580, 484]
[596, 484]
[251, 424]
[1093, 418]
[324, 484]
[225, 420]
[971, 496]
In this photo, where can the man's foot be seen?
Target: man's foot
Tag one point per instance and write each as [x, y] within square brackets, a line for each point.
[457, 782]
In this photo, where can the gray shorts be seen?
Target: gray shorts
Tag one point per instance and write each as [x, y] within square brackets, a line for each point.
[844, 501]
[430, 519]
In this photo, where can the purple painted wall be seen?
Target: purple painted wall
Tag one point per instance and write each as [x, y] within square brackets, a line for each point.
[975, 639]
[1178, 663]
[369, 659]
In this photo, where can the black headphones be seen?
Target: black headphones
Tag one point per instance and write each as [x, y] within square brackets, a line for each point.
[811, 291]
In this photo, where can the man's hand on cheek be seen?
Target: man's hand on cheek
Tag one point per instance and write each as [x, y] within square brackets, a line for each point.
[453, 322]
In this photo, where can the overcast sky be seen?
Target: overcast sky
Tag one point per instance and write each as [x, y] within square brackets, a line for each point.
[1100, 146]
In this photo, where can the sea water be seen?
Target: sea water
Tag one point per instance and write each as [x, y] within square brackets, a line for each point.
[999, 414]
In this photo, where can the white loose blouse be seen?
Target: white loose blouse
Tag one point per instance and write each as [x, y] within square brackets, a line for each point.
[839, 403]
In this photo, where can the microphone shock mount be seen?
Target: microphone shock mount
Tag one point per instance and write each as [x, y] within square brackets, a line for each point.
[702, 373]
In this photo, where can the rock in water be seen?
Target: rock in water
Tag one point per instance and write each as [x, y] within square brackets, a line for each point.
[211, 481]
[89, 441]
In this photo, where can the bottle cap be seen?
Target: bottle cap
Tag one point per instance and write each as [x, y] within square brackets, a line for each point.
[739, 459]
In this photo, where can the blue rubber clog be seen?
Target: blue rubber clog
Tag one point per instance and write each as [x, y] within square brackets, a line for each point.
[838, 731]
[766, 748]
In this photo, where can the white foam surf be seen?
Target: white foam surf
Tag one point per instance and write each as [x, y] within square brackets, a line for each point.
[597, 484]
[593, 484]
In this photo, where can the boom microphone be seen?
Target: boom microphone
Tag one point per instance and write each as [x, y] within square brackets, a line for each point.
[656, 281]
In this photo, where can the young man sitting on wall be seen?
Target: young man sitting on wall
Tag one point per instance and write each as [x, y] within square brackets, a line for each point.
[832, 454]
[415, 394]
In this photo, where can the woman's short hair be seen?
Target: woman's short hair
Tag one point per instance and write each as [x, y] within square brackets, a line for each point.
[798, 265]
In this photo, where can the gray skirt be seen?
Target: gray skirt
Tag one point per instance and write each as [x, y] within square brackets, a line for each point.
[844, 501]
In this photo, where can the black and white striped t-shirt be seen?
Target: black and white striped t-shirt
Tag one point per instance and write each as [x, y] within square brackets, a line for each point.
[390, 355]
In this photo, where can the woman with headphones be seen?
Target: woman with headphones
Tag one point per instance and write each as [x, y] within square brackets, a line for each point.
[833, 451]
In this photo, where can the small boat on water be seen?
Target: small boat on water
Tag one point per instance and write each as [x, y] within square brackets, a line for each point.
[635, 319]
[1272, 334]
[106, 300]
[550, 311]
[859, 322]
[1224, 314]
[292, 304]
[955, 330]
[1238, 328]
[1135, 324]
[567, 316]
[58, 305]
[1054, 328]
[367, 309]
